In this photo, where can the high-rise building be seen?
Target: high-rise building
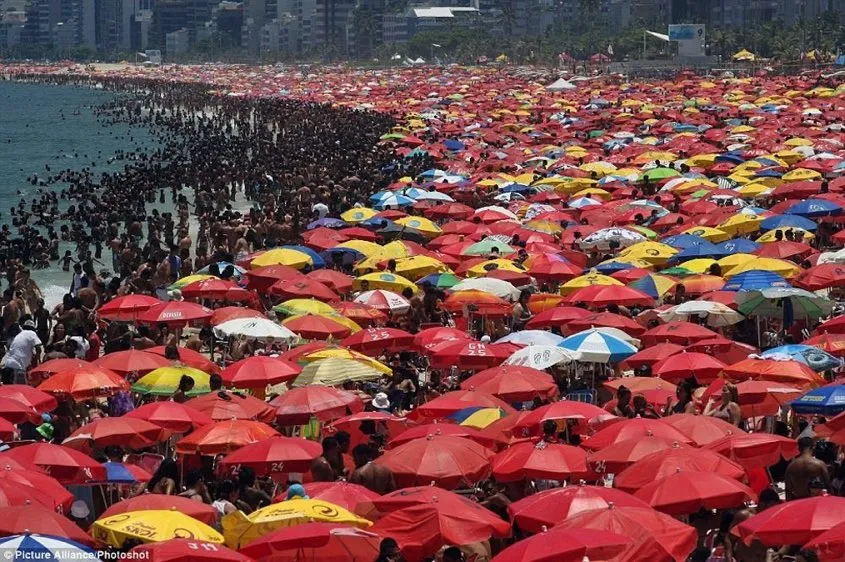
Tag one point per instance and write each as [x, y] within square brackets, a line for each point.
[253, 20]
[333, 26]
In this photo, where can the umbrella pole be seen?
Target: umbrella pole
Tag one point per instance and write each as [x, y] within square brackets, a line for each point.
[759, 339]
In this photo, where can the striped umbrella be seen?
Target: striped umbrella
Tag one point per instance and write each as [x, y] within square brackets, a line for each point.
[597, 347]
[44, 547]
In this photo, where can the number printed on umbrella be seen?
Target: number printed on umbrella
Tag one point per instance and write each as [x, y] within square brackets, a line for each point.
[208, 547]
[376, 335]
[477, 349]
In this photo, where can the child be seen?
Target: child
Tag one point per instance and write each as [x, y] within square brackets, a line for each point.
[67, 260]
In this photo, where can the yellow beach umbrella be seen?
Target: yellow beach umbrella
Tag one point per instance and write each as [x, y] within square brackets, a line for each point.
[741, 224]
[798, 141]
[417, 267]
[731, 262]
[303, 306]
[801, 174]
[358, 214]
[165, 380]
[547, 227]
[702, 160]
[154, 525]
[800, 233]
[361, 246]
[781, 267]
[655, 253]
[344, 353]
[789, 157]
[481, 269]
[423, 225]
[384, 280]
[582, 281]
[708, 233]
[754, 189]
[240, 529]
[336, 371]
[595, 192]
[283, 256]
[185, 281]
[698, 265]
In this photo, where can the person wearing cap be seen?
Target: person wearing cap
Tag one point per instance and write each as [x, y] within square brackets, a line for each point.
[45, 432]
[25, 347]
[80, 513]
[381, 403]
[296, 492]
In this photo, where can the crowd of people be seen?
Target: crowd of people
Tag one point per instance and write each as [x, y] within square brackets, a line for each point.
[241, 175]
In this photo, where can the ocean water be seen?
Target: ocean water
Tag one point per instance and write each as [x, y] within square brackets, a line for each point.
[44, 125]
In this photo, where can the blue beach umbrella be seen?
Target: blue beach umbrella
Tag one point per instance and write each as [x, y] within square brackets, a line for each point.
[454, 145]
[597, 346]
[705, 250]
[826, 400]
[814, 208]
[737, 246]
[755, 280]
[118, 473]
[611, 267]
[327, 222]
[787, 221]
[684, 241]
[44, 547]
[394, 200]
[221, 266]
[317, 260]
[815, 358]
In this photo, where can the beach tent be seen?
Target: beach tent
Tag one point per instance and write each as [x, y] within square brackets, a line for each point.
[745, 56]
[560, 85]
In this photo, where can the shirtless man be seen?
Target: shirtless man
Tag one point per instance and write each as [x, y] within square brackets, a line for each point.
[375, 477]
[802, 469]
[323, 467]
[734, 547]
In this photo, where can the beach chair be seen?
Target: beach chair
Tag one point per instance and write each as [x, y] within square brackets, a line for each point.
[588, 396]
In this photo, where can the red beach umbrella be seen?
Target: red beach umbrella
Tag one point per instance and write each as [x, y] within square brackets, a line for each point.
[446, 461]
[221, 406]
[449, 403]
[428, 338]
[701, 429]
[789, 372]
[682, 333]
[559, 545]
[671, 461]
[175, 313]
[17, 412]
[306, 287]
[653, 354]
[47, 488]
[32, 397]
[224, 437]
[655, 536]
[531, 461]
[131, 360]
[512, 383]
[275, 455]
[176, 417]
[755, 450]
[259, 371]
[315, 327]
[549, 507]
[40, 520]
[183, 550]
[793, 522]
[556, 317]
[192, 508]
[129, 433]
[429, 429]
[62, 463]
[344, 494]
[127, 308]
[687, 492]
[315, 541]
[634, 429]
[190, 358]
[422, 530]
[375, 341]
[84, 383]
[603, 295]
[296, 406]
[617, 457]
[684, 365]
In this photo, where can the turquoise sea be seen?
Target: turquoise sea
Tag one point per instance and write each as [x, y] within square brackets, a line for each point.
[44, 125]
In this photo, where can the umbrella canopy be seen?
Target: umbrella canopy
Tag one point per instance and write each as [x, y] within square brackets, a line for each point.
[755, 450]
[451, 402]
[310, 326]
[830, 544]
[702, 429]
[38, 400]
[422, 530]
[681, 366]
[618, 456]
[530, 461]
[173, 416]
[131, 360]
[259, 371]
[673, 461]
[84, 383]
[344, 494]
[512, 384]
[62, 463]
[827, 401]
[540, 357]
[375, 341]
[298, 405]
[175, 313]
[275, 455]
[129, 433]
[681, 333]
[151, 526]
[223, 437]
[687, 492]
[793, 522]
[186, 550]
[334, 371]
[634, 429]
[787, 303]
[425, 430]
[331, 542]
[226, 405]
[165, 380]
[260, 329]
[789, 372]
[41, 521]
[447, 461]
[241, 530]
[597, 347]
[655, 536]
[547, 508]
[815, 358]
[127, 308]
[44, 547]
[192, 508]
[570, 545]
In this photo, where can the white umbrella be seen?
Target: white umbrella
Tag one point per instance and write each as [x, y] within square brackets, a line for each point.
[496, 209]
[433, 196]
[601, 239]
[717, 313]
[501, 289]
[539, 357]
[532, 337]
[253, 328]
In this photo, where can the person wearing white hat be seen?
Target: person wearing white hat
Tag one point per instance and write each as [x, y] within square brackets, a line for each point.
[20, 354]
[381, 403]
